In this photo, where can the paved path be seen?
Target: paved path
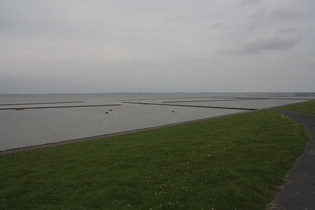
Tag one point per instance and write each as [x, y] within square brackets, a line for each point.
[299, 192]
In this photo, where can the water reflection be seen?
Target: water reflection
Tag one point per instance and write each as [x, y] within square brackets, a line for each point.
[84, 115]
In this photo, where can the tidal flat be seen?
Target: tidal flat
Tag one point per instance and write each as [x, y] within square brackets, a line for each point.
[63, 117]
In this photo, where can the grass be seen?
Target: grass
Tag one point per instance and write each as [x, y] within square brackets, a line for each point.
[234, 162]
[308, 107]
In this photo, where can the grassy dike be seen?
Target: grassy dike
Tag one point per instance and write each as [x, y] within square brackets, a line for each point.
[233, 162]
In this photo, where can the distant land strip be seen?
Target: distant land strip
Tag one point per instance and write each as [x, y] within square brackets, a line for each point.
[54, 107]
[60, 102]
[195, 106]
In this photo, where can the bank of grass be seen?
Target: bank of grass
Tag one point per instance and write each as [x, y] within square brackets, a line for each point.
[233, 162]
[308, 107]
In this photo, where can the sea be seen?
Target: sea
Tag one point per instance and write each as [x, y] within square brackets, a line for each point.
[29, 120]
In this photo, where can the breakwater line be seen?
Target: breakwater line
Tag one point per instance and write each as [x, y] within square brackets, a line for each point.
[55, 107]
[194, 106]
[56, 102]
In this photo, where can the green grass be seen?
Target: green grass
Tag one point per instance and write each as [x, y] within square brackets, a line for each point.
[234, 162]
[308, 107]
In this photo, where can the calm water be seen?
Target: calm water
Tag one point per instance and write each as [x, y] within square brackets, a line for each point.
[62, 117]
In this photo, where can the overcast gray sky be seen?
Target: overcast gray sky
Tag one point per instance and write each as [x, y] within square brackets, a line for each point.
[73, 46]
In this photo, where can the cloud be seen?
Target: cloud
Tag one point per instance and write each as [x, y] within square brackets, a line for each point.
[285, 13]
[217, 25]
[101, 43]
[283, 40]
[257, 19]
[250, 2]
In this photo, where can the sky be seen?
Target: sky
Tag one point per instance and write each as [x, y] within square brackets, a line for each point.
[105, 46]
